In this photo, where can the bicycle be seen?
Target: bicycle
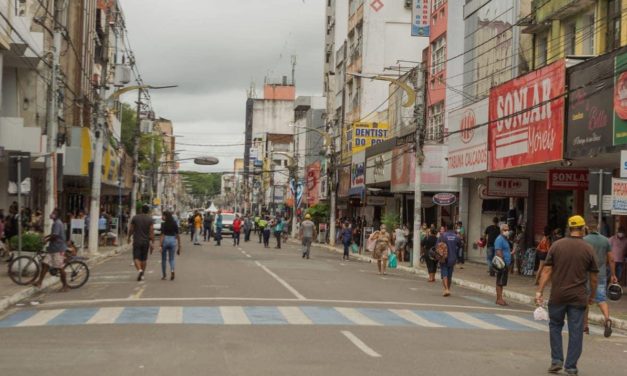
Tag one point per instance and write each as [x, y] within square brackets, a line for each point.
[24, 270]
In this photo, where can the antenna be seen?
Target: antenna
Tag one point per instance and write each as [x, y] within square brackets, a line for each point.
[293, 70]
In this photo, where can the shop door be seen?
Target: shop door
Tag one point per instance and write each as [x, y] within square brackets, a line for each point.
[561, 206]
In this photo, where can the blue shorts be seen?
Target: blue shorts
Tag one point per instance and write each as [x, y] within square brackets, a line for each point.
[446, 271]
[601, 296]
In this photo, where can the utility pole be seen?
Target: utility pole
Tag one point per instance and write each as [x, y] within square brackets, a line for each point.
[100, 131]
[136, 158]
[52, 115]
[419, 111]
[331, 176]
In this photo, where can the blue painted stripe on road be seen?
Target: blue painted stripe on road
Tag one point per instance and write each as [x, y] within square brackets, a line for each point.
[202, 315]
[74, 316]
[16, 318]
[384, 317]
[441, 318]
[325, 316]
[138, 315]
[265, 316]
[500, 322]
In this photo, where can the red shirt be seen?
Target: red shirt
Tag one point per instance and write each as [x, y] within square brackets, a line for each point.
[237, 224]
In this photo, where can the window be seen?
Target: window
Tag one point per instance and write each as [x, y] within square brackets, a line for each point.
[613, 25]
[436, 4]
[587, 29]
[570, 38]
[435, 123]
[438, 55]
[542, 51]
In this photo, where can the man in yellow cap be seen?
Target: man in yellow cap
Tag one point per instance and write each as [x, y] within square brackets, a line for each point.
[569, 264]
[307, 234]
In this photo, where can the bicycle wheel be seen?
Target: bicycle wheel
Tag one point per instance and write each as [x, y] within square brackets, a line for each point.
[76, 273]
[23, 270]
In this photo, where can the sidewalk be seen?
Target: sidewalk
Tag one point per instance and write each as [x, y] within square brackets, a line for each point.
[11, 293]
[520, 289]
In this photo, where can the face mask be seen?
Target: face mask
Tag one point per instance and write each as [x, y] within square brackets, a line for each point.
[621, 234]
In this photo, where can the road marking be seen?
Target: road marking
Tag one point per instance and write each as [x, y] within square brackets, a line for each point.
[249, 256]
[106, 315]
[298, 295]
[170, 315]
[295, 316]
[357, 317]
[464, 317]
[41, 318]
[138, 292]
[525, 322]
[414, 318]
[234, 316]
[360, 344]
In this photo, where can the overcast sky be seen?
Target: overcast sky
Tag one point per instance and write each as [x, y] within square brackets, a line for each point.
[213, 50]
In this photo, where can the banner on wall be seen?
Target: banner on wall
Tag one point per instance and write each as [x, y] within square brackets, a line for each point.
[527, 119]
[468, 140]
[358, 174]
[313, 183]
[420, 18]
[365, 135]
[508, 187]
[619, 196]
[403, 168]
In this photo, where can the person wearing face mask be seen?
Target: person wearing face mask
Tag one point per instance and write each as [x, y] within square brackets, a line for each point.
[503, 250]
[618, 243]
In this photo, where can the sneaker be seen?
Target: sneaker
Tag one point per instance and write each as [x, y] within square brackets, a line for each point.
[555, 367]
[608, 328]
[140, 276]
[571, 371]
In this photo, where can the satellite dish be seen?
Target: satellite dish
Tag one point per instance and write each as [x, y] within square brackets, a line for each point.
[206, 161]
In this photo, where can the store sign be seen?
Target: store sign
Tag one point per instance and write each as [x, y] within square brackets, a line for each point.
[403, 169]
[508, 187]
[568, 179]
[365, 135]
[313, 183]
[375, 201]
[620, 99]
[527, 119]
[444, 199]
[619, 196]
[379, 168]
[420, 17]
[468, 140]
[358, 173]
[434, 176]
[623, 163]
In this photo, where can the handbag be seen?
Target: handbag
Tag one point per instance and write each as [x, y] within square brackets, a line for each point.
[354, 248]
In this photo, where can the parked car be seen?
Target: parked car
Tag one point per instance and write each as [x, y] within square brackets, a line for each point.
[156, 220]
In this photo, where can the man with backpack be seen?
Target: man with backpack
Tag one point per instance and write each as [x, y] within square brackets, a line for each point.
[447, 250]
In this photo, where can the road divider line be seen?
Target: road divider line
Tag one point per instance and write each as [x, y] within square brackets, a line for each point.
[295, 316]
[413, 318]
[357, 317]
[106, 315]
[234, 316]
[468, 319]
[41, 318]
[170, 315]
[360, 344]
[298, 295]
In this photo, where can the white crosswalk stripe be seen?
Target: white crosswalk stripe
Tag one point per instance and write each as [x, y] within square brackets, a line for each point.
[295, 316]
[414, 318]
[470, 320]
[543, 326]
[106, 315]
[234, 316]
[41, 318]
[357, 317]
[170, 315]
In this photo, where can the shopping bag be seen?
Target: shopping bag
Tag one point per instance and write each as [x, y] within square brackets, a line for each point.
[540, 314]
[354, 248]
[392, 261]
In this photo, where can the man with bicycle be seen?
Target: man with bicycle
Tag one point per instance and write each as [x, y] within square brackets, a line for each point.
[55, 256]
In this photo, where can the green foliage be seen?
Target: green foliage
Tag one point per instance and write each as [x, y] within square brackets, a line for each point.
[150, 151]
[390, 221]
[129, 127]
[31, 242]
[202, 184]
[319, 213]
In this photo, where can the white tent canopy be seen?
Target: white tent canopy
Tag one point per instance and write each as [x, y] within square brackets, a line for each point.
[212, 208]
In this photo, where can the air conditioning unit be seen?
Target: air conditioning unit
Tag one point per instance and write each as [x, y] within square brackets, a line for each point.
[122, 74]
[408, 4]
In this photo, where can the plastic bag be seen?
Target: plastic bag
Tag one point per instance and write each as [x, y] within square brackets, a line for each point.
[354, 248]
[392, 261]
[540, 314]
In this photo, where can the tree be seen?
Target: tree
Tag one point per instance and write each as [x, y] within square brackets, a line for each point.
[202, 184]
[129, 127]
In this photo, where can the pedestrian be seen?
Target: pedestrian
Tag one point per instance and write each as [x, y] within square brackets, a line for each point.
[170, 241]
[491, 233]
[603, 252]
[542, 250]
[461, 232]
[102, 225]
[197, 227]
[190, 226]
[519, 250]
[428, 243]
[399, 243]
[206, 227]
[382, 239]
[618, 242]
[307, 234]
[267, 229]
[55, 255]
[278, 231]
[453, 243]
[569, 264]
[143, 234]
[218, 235]
[260, 227]
[248, 227]
[347, 237]
[503, 250]
[237, 228]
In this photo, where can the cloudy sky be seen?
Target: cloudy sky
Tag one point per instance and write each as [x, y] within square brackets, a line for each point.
[213, 50]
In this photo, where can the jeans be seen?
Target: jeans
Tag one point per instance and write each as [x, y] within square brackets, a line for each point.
[218, 235]
[260, 233]
[306, 246]
[575, 315]
[619, 270]
[197, 232]
[247, 235]
[277, 235]
[167, 253]
[489, 256]
[207, 233]
[235, 238]
[266, 237]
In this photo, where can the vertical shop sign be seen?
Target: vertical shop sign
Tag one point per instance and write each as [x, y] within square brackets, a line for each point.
[420, 17]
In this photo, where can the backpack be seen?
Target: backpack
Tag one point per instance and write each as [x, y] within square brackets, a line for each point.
[441, 252]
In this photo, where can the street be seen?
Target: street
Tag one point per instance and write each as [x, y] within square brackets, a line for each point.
[253, 311]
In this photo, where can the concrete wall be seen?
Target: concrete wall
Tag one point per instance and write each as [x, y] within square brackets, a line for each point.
[272, 116]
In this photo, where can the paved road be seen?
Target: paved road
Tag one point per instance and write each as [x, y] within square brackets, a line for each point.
[253, 311]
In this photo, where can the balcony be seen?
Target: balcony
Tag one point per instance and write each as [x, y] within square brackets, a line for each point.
[26, 46]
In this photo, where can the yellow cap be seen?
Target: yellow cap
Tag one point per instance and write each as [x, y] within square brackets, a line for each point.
[576, 221]
[307, 216]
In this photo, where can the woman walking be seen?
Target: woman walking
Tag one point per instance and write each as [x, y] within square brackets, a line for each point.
[400, 241]
[428, 243]
[170, 240]
[542, 251]
[381, 248]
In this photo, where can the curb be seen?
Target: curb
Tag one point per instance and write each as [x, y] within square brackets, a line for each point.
[52, 281]
[480, 287]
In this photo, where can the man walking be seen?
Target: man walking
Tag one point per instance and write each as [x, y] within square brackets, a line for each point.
[197, 227]
[278, 231]
[142, 231]
[453, 243]
[261, 226]
[569, 265]
[55, 257]
[237, 228]
[248, 227]
[603, 253]
[307, 234]
[490, 234]
[218, 235]
[619, 251]
[207, 222]
[502, 249]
